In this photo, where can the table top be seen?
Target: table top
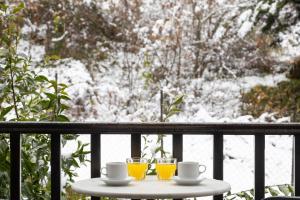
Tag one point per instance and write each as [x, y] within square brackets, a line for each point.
[150, 188]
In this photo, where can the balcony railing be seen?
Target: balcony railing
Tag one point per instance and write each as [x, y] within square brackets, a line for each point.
[218, 130]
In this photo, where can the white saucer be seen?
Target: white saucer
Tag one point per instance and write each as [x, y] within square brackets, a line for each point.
[181, 181]
[116, 182]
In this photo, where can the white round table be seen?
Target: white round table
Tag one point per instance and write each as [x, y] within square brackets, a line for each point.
[150, 188]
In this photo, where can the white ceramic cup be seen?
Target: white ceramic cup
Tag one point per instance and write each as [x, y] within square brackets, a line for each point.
[190, 170]
[115, 170]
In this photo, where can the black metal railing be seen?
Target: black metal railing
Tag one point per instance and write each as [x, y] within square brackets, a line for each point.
[218, 130]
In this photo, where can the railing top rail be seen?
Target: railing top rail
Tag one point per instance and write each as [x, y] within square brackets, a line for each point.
[151, 128]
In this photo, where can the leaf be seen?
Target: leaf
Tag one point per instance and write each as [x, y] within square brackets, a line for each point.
[170, 114]
[70, 137]
[41, 78]
[18, 8]
[291, 189]
[147, 63]
[273, 192]
[175, 110]
[240, 194]
[53, 83]
[75, 163]
[248, 197]
[284, 189]
[230, 198]
[63, 85]
[158, 149]
[148, 75]
[52, 58]
[64, 107]
[5, 111]
[65, 97]
[178, 100]
[50, 95]
[3, 7]
[62, 118]
[252, 192]
[45, 104]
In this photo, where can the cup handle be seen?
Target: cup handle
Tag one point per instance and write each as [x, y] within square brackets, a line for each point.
[101, 171]
[203, 167]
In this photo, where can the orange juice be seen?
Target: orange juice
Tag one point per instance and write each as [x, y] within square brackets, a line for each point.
[165, 171]
[137, 170]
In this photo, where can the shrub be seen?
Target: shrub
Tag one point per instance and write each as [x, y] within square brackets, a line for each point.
[282, 99]
[27, 96]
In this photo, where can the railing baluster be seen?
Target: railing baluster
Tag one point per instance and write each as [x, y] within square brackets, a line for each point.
[15, 166]
[95, 157]
[218, 160]
[259, 169]
[55, 166]
[178, 147]
[297, 165]
[135, 145]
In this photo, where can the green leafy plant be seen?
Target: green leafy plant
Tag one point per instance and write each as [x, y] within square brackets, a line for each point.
[4, 166]
[28, 96]
[169, 107]
[274, 190]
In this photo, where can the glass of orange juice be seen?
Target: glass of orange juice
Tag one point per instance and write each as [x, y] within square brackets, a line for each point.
[165, 168]
[137, 167]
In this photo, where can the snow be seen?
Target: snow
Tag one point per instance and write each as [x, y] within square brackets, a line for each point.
[245, 28]
[36, 52]
[273, 8]
[105, 6]
[60, 38]
[244, 16]
[290, 42]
